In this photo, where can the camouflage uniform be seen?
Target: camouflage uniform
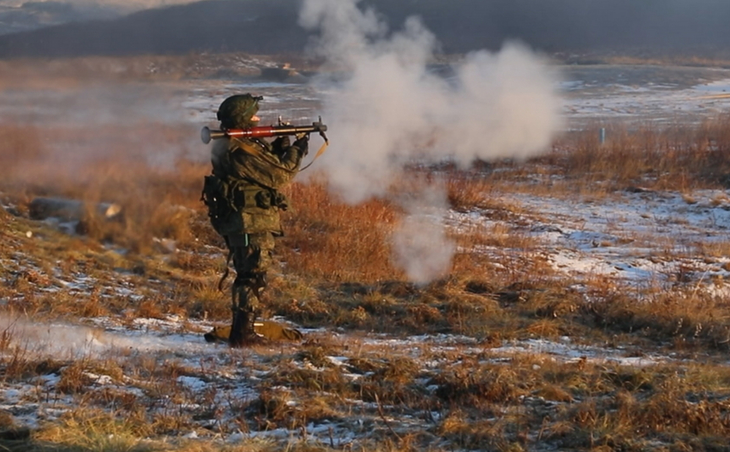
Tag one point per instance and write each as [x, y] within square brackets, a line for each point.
[244, 202]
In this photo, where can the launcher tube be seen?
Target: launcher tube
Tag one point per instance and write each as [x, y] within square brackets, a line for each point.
[206, 135]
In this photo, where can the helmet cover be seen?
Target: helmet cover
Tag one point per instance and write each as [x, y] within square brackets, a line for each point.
[236, 111]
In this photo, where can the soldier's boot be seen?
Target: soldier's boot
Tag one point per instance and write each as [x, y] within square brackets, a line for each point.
[235, 339]
[245, 293]
[243, 333]
[239, 310]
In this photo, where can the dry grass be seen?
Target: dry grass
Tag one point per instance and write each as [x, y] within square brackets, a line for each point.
[678, 158]
[356, 288]
[718, 59]
[319, 228]
[337, 273]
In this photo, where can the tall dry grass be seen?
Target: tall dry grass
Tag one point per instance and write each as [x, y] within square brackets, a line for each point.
[679, 157]
[337, 272]
[328, 240]
[337, 265]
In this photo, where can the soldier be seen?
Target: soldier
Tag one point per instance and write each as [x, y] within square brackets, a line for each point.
[244, 200]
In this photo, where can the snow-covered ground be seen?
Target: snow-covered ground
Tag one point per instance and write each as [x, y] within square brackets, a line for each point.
[642, 237]
[592, 94]
[628, 236]
[645, 94]
[236, 374]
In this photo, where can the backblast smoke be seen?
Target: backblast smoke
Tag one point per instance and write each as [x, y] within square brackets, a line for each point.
[387, 107]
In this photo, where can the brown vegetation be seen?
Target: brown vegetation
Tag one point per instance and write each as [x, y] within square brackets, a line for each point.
[337, 274]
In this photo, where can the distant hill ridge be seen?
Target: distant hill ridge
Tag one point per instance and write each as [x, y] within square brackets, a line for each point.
[270, 27]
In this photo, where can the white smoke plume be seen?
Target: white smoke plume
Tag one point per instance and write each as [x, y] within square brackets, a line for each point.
[419, 243]
[59, 340]
[67, 341]
[389, 109]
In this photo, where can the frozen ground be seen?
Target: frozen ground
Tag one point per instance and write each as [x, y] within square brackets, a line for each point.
[234, 376]
[645, 94]
[593, 94]
[634, 237]
[628, 237]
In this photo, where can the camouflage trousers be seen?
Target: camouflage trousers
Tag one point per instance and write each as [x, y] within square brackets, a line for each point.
[252, 257]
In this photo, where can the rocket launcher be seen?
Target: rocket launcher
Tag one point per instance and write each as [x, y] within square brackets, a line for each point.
[264, 131]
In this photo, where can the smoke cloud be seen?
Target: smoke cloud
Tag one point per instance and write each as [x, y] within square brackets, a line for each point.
[67, 341]
[390, 108]
[59, 340]
[105, 120]
[419, 242]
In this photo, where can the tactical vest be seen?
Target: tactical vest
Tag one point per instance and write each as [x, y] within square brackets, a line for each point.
[242, 193]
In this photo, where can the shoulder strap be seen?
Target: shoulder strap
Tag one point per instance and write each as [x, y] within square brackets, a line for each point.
[320, 152]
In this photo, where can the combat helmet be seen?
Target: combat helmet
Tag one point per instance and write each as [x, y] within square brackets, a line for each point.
[236, 111]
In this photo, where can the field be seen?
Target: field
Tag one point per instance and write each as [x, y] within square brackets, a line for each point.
[575, 300]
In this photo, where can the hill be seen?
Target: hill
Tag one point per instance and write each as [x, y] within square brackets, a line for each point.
[270, 26]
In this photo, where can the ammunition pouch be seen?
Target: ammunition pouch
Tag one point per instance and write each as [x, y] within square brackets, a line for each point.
[280, 200]
[263, 199]
[239, 207]
[267, 199]
[247, 197]
[215, 197]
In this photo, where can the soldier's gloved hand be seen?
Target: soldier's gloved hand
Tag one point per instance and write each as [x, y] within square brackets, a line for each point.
[282, 142]
[303, 143]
